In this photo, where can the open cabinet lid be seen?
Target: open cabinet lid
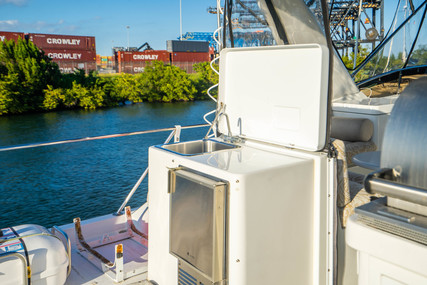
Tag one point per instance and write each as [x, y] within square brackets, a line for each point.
[276, 94]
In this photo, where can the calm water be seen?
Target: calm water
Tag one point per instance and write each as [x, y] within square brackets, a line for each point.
[52, 185]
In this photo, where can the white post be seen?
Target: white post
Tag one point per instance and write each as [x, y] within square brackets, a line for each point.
[177, 135]
[119, 263]
[218, 18]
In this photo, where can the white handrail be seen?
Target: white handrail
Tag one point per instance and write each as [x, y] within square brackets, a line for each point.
[33, 145]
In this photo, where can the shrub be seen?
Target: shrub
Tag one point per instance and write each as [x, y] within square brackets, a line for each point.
[125, 87]
[165, 83]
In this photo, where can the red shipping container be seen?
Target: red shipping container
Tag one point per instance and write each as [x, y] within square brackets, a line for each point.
[71, 55]
[124, 56]
[10, 36]
[138, 69]
[132, 67]
[143, 56]
[150, 55]
[63, 41]
[190, 57]
[69, 67]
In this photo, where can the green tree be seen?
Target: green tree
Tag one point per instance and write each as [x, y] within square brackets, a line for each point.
[165, 83]
[419, 55]
[80, 77]
[204, 79]
[25, 71]
[9, 92]
[349, 59]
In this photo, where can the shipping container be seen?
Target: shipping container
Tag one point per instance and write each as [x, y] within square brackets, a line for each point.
[70, 67]
[69, 60]
[190, 57]
[135, 62]
[71, 55]
[132, 67]
[143, 56]
[63, 41]
[11, 36]
[187, 46]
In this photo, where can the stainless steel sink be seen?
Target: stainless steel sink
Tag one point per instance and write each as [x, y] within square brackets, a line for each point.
[197, 147]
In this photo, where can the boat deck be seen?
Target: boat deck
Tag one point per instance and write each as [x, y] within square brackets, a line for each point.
[85, 272]
[86, 269]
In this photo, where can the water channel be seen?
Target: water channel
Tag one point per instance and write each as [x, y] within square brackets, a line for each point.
[51, 185]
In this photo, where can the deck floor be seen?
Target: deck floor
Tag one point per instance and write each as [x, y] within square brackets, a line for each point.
[85, 272]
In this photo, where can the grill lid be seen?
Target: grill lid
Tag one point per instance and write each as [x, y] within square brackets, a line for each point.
[404, 157]
[405, 138]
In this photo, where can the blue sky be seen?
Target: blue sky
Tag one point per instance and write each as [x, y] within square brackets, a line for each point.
[149, 21]
[152, 21]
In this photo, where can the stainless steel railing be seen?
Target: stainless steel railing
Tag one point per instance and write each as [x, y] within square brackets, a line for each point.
[67, 244]
[176, 133]
[25, 272]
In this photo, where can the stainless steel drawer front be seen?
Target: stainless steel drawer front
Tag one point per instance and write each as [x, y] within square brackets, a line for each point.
[197, 222]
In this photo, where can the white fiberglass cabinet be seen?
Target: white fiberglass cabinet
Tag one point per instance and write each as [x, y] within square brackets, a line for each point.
[256, 200]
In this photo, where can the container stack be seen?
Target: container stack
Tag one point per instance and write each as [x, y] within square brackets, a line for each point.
[105, 62]
[185, 54]
[69, 52]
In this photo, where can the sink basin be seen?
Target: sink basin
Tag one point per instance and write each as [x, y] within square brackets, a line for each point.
[197, 147]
